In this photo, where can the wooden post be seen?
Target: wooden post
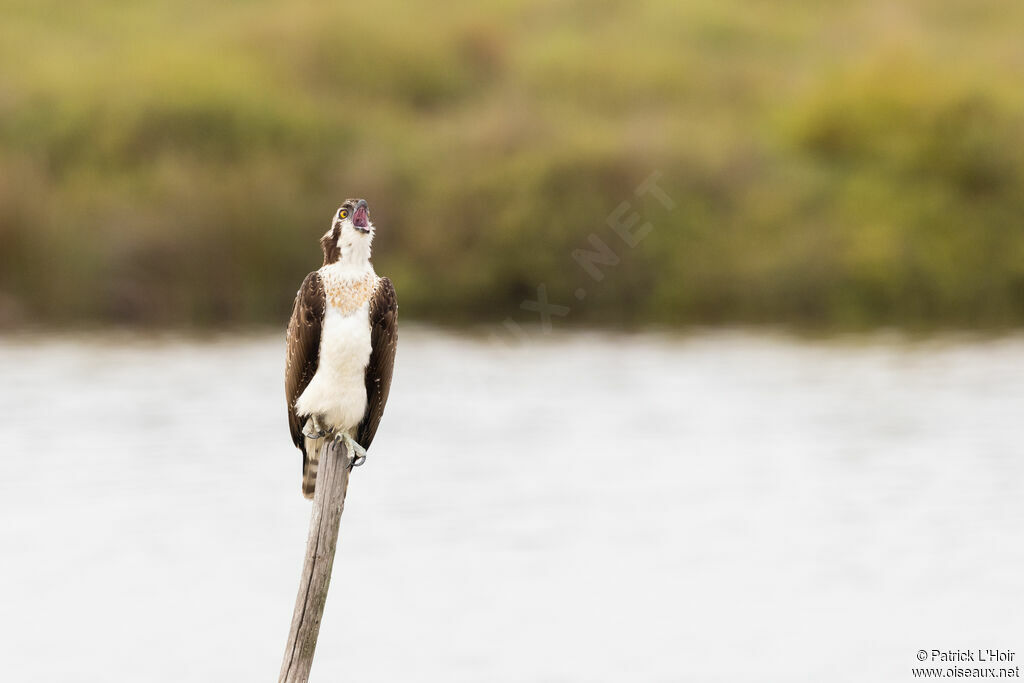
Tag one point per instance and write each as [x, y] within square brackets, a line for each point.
[328, 503]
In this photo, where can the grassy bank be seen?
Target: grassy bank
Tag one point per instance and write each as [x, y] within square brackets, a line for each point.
[850, 167]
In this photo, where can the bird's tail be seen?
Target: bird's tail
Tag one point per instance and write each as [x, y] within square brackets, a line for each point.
[310, 462]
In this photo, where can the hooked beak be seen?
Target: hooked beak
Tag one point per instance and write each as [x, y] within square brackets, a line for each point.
[361, 217]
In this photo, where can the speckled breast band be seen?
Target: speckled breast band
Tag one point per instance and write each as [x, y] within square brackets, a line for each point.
[348, 295]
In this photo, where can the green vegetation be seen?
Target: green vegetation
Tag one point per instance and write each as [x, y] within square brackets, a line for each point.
[842, 166]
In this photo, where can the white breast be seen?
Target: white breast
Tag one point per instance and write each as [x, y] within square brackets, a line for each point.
[338, 390]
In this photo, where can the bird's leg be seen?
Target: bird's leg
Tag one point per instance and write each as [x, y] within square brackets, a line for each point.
[356, 452]
[313, 429]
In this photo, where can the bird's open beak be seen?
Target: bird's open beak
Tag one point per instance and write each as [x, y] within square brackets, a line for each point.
[361, 217]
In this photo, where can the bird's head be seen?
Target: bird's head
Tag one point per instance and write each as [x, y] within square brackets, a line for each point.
[350, 234]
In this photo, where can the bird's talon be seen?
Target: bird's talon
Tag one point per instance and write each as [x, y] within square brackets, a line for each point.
[357, 453]
[310, 430]
[313, 429]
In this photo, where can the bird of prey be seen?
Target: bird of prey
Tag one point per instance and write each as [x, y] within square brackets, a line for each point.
[341, 345]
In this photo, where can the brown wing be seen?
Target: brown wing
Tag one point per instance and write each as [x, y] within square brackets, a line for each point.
[383, 341]
[303, 346]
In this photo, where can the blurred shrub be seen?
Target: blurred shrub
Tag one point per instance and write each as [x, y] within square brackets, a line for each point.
[850, 166]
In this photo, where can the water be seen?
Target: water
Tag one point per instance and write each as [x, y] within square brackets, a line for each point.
[724, 507]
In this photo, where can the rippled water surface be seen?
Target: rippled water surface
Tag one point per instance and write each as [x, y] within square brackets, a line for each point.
[585, 508]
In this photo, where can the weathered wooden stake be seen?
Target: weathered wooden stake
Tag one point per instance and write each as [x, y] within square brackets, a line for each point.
[328, 503]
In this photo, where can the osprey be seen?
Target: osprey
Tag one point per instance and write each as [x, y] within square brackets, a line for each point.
[341, 345]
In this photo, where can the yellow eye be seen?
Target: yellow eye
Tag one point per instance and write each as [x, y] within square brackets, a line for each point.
[343, 213]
